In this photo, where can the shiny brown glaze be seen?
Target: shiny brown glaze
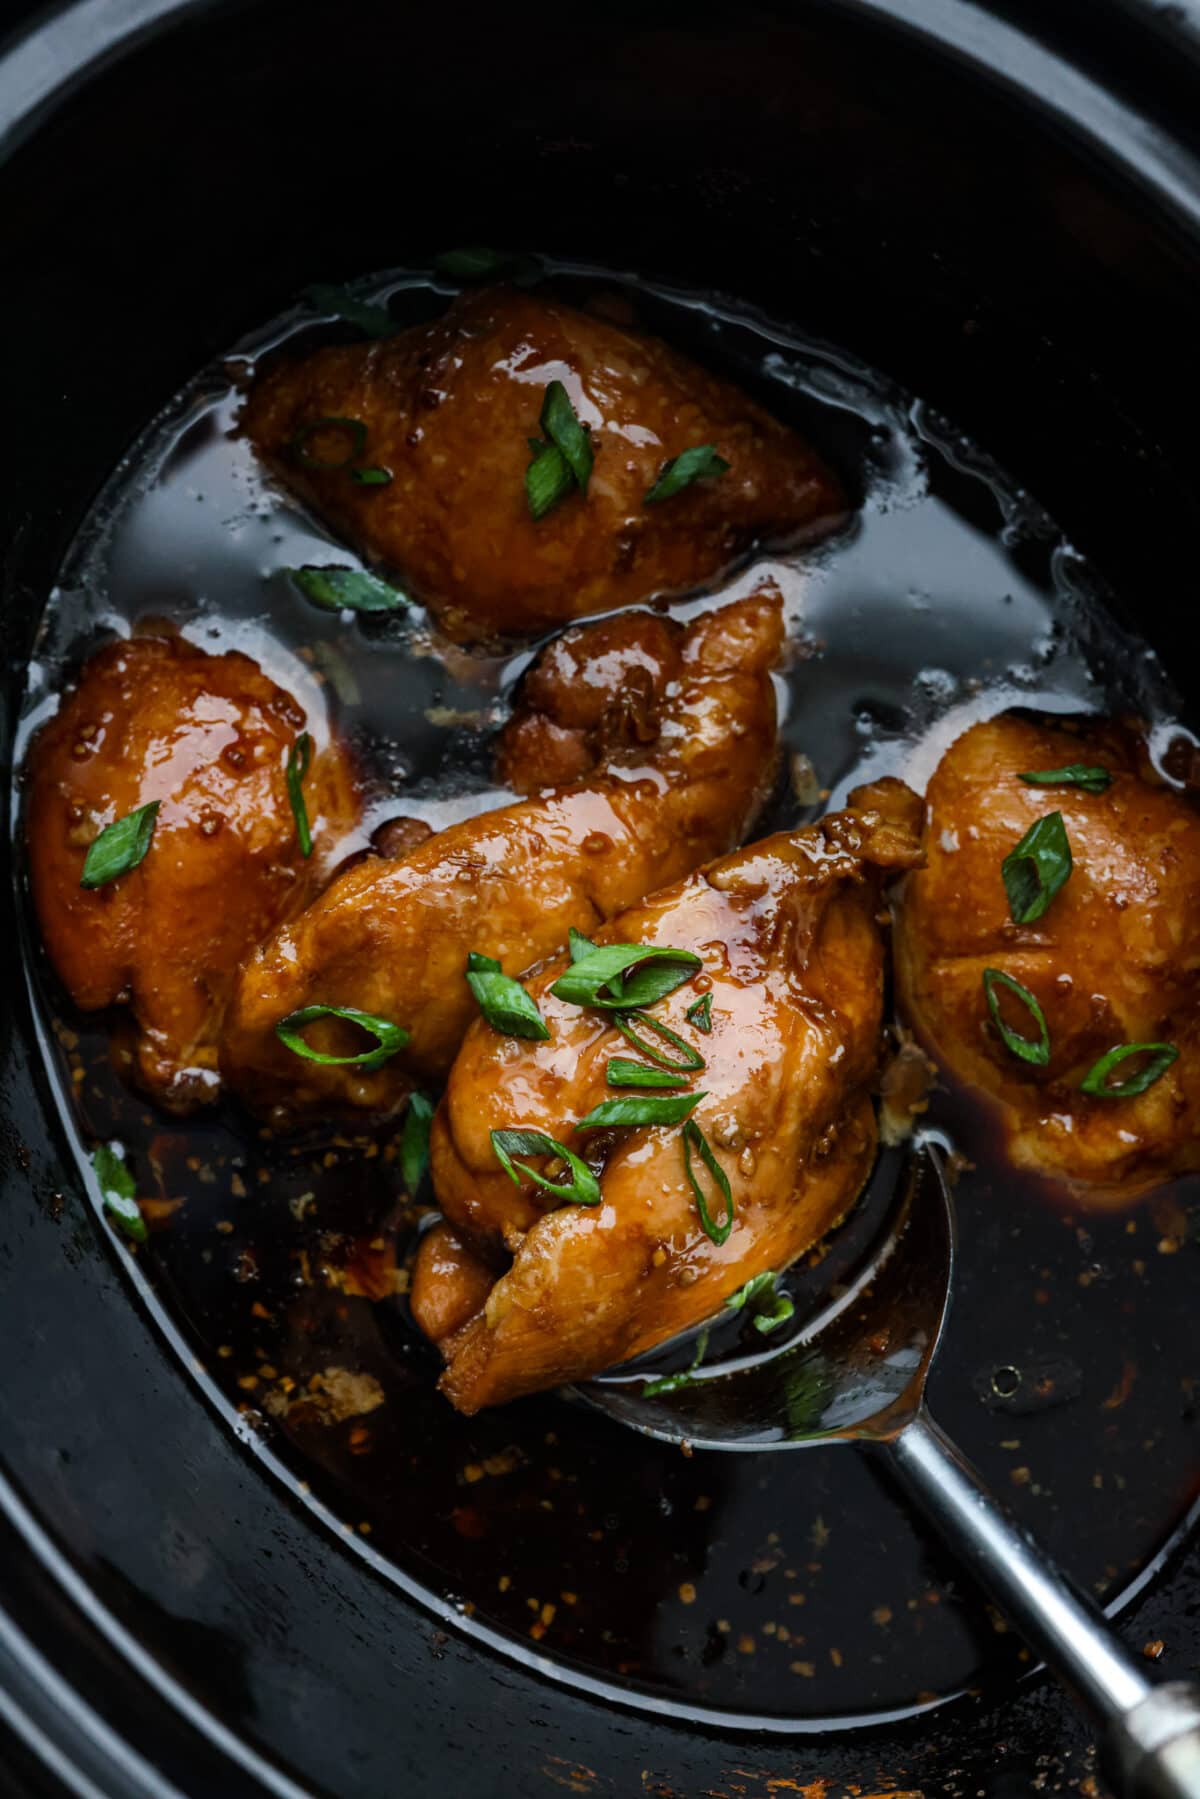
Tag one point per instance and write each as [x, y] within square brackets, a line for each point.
[450, 1282]
[1115, 959]
[449, 408]
[392, 937]
[789, 935]
[594, 694]
[207, 736]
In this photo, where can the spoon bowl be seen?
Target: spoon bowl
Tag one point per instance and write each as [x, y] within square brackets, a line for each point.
[855, 1370]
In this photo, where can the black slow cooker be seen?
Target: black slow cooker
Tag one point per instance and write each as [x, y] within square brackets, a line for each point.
[998, 205]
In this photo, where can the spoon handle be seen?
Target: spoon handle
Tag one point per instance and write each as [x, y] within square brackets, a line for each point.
[1151, 1733]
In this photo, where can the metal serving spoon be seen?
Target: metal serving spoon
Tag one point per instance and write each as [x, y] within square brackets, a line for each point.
[856, 1372]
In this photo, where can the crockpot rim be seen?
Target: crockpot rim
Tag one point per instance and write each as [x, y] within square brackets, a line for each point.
[48, 57]
[58, 52]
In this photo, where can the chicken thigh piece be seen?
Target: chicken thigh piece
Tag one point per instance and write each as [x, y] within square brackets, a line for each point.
[1113, 960]
[667, 737]
[447, 411]
[209, 738]
[788, 935]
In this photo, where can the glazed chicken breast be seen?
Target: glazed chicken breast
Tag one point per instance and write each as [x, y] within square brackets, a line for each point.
[208, 738]
[791, 955]
[1112, 961]
[447, 412]
[665, 737]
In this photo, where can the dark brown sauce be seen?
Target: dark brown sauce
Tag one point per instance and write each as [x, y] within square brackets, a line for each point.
[783, 1588]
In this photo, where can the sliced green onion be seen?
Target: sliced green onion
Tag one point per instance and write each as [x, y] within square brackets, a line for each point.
[480, 264]
[631, 1114]
[690, 1059]
[561, 424]
[757, 1285]
[373, 321]
[699, 1013]
[347, 589]
[371, 477]
[352, 429]
[697, 464]
[117, 1191]
[578, 945]
[768, 1306]
[119, 847]
[1096, 1080]
[548, 479]
[414, 1142]
[669, 1383]
[389, 1037]
[583, 1189]
[1037, 868]
[782, 1308]
[600, 979]
[694, 1138]
[502, 1000]
[624, 1073]
[1026, 1048]
[1075, 774]
[299, 757]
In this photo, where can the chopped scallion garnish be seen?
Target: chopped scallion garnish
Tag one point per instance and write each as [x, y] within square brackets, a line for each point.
[782, 1308]
[561, 424]
[502, 1000]
[699, 1013]
[371, 477]
[628, 1023]
[583, 1189]
[755, 1287]
[347, 589]
[1097, 1083]
[1036, 868]
[622, 1072]
[563, 459]
[389, 1037]
[299, 757]
[1028, 1049]
[668, 1383]
[632, 1114]
[767, 1305]
[1075, 774]
[118, 1191]
[414, 1142]
[697, 464]
[578, 945]
[615, 979]
[694, 1139]
[119, 847]
[548, 479]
